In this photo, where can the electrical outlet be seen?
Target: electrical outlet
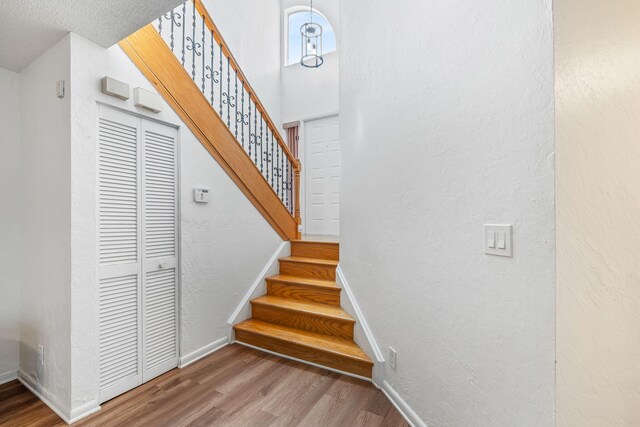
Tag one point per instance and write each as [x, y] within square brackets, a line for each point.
[41, 354]
[393, 354]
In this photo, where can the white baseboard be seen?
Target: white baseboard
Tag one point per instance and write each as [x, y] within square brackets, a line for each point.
[42, 394]
[194, 356]
[8, 376]
[84, 411]
[405, 410]
[243, 310]
[368, 342]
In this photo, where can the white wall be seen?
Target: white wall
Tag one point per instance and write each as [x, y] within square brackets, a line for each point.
[251, 28]
[9, 224]
[224, 244]
[45, 226]
[447, 124]
[598, 195]
[309, 92]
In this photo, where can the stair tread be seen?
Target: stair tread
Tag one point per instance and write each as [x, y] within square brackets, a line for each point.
[304, 281]
[305, 306]
[340, 346]
[316, 241]
[310, 260]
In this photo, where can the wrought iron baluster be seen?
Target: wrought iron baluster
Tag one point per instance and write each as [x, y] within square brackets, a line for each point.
[250, 142]
[193, 43]
[220, 78]
[174, 23]
[278, 170]
[255, 137]
[228, 94]
[212, 73]
[204, 44]
[236, 110]
[266, 154]
[184, 26]
[282, 175]
[261, 157]
[242, 115]
[272, 165]
[286, 187]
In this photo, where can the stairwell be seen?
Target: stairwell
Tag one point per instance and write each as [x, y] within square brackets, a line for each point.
[197, 75]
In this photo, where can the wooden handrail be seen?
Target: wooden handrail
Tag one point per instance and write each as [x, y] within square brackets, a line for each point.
[202, 10]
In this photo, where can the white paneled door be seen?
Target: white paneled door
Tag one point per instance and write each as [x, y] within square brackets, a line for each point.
[322, 177]
[137, 261]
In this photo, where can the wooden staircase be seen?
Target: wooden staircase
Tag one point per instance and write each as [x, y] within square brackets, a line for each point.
[301, 315]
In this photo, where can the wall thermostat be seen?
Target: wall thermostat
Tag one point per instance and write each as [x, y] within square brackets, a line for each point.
[201, 195]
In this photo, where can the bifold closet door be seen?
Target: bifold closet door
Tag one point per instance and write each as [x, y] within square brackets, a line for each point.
[119, 261]
[160, 298]
[137, 267]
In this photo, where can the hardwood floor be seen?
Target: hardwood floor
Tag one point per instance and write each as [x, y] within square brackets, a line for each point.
[236, 386]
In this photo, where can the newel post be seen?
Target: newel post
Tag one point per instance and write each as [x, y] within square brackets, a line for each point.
[296, 198]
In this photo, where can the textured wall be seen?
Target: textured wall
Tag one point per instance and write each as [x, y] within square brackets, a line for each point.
[447, 124]
[251, 28]
[224, 244]
[598, 197]
[45, 226]
[308, 92]
[9, 222]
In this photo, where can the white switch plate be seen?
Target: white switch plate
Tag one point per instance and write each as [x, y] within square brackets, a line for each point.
[498, 240]
[393, 355]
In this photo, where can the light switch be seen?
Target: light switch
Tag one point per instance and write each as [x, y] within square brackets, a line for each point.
[498, 240]
[502, 240]
[491, 242]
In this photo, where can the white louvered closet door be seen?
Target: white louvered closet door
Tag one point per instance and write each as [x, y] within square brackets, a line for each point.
[119, 261]
[160, 299]
[137, 248]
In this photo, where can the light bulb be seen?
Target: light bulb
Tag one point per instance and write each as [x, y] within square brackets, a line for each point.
[311, 47]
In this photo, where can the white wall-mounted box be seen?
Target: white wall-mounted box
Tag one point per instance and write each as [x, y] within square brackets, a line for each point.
[115, 88]
[148, 100]
[200, 195]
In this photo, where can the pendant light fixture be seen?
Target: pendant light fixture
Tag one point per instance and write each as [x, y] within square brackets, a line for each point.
[311, 42]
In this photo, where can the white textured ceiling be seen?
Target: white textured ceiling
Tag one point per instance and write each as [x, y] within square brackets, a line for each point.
[29, 27]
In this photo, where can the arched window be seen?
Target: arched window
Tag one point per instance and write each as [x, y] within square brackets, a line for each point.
[295, 17]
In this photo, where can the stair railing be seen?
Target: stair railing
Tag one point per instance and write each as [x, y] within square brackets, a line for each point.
[196, 42]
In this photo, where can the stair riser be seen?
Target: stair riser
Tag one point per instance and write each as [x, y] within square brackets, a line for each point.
[318, 250]
[309, 322]
[297, 351]
[303, 293]
[312, 271]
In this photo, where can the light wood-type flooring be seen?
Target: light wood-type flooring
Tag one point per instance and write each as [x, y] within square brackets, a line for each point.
[236, 386]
